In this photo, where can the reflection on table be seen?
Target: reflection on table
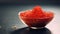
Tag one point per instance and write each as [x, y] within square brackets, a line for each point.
[28, 30]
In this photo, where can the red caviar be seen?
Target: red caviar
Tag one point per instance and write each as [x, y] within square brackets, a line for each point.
[36, 17]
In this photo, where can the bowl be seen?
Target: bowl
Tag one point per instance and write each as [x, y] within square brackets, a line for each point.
[36, 23]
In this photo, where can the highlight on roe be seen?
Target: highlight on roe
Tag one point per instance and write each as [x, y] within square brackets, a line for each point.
[36, 17]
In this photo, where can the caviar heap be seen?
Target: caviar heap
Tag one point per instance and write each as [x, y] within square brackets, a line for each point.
[36, 17]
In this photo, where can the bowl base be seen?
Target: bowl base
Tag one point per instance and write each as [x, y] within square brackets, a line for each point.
[37, 27]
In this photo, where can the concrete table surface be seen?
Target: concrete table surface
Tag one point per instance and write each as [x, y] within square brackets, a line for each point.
[9, 20]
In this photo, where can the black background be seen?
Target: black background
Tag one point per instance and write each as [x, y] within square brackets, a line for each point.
[28, 2]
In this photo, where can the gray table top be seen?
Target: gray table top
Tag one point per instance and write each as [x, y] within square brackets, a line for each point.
[9, 20]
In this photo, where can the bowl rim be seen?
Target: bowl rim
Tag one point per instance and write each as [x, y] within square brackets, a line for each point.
[36, 18]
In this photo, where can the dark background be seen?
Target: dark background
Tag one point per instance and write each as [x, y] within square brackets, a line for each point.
[28, 2]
